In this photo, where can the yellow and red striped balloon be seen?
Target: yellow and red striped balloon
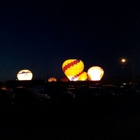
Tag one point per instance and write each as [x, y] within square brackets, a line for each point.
[83, 77]
[73, 68]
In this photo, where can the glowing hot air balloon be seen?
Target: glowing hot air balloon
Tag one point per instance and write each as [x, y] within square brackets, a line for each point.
[52, 79]
[64, 79]
[73, 68]
[83, 77]
[25, 75]
[95, 73]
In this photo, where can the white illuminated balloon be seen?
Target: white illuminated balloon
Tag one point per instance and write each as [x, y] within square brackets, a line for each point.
[95, 73]
[24, 75]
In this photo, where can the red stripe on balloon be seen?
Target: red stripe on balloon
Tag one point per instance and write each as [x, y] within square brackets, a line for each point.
[70, 64]
[77, 75]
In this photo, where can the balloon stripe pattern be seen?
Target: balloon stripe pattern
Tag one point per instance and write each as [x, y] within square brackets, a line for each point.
[76, 76]
[73, 68]
[70, 65]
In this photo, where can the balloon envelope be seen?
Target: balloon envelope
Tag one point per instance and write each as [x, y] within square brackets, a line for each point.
[64, 79]
[52, 79]
[83, 77]
[24, 75]
[95, 73]
[73, 68]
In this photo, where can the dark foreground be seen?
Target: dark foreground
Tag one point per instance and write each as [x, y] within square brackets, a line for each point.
[92, 113]
[71, 121]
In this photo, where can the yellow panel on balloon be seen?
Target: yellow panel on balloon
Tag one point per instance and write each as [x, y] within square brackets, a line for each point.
[73, 68]
[83, 77]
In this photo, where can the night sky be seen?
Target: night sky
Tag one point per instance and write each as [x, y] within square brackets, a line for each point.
[40, 36]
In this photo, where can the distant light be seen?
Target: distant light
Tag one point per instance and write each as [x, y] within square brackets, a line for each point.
[24, 75]
[123, 60]
[3, 88]
[95, 73]
[124, 83]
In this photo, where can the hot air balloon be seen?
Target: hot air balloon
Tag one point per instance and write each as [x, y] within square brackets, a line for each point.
[95, 73]
[64, 79]
[52, 79]
[83, 77]
[24, 75]
[73, 68]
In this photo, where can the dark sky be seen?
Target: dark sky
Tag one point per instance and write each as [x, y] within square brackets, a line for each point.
[44, 34]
